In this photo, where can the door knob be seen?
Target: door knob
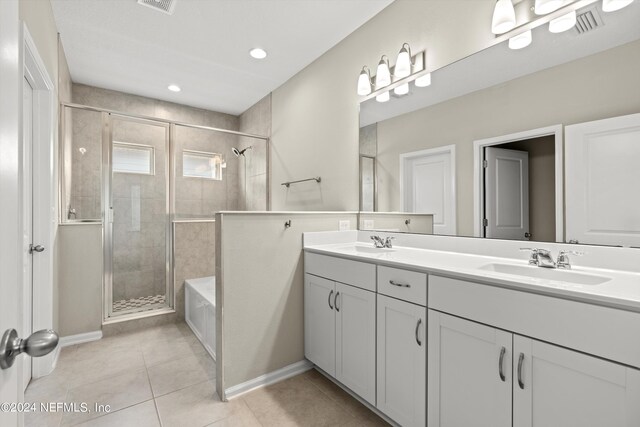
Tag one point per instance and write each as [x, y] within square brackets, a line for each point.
[35, 248]
[38, 344]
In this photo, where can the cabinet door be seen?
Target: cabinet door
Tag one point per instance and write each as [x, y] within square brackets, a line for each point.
[556, 387]
[402, 361]
[469, 373]
[319, 323]
[356, 340]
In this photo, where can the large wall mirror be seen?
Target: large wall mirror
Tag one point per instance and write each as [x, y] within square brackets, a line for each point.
[540, 143]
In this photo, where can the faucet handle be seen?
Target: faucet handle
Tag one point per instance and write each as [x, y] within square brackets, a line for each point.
[377, 241]
[533, 259]
[563, 258]
[387, 242]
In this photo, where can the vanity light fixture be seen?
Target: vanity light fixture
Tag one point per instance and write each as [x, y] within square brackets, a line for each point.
[174, 88]
[543, 7]
[563, 23]
[258, 53]
[406, 69]
[403, 68]
[423, 81]
[383, 73]
[364, 82]
[504, 17]
[520, 41]
[613, 5]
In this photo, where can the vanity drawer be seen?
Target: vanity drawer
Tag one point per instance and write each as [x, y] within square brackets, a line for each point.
[406, 285]
[354, 273]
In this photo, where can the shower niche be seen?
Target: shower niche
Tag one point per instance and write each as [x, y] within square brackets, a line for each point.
[144, 180]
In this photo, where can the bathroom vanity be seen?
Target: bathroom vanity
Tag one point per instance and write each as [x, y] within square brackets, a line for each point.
[477, 337]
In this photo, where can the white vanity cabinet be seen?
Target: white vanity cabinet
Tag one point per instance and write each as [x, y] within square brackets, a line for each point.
[340, 322]
[402, 361]
[473, 381]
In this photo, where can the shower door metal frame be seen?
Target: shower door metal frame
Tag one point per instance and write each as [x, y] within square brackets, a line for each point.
[108, 119]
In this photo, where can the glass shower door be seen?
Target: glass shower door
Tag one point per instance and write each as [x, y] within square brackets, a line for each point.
[137, 230]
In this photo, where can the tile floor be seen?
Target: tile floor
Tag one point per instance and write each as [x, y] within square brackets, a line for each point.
[163, 377]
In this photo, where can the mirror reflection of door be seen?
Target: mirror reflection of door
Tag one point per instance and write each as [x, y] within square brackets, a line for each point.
[519, 200]
[428, 186]
[506, 203]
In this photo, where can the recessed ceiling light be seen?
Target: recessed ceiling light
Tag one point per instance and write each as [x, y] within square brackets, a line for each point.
[174, 88]
[258, 53]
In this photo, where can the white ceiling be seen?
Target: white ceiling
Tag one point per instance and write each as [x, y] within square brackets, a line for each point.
[499, 64]
[204, 46]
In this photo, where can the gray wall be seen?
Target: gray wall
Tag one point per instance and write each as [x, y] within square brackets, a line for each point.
[315, 113]
[80, 278]
[595, 87]
[259, 290]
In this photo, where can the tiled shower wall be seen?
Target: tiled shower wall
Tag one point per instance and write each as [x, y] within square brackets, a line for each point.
[252, 168]
[194, 255]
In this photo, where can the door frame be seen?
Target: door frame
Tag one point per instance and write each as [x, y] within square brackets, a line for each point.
[405, 158]
[44, 184]
[478, 172]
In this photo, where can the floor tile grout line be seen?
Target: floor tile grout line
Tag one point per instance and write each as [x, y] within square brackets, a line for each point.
[251, 410]
[153, 397]
[339, 403]
[179, 389]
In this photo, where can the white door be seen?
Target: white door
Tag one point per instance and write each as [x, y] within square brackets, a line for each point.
[556, 387]
[506, 196]
[402, 361]
[320, 323]
[11, 389]
[469, 373]
[356, 340]
[428, 186]
[602, 177]
[27, 220]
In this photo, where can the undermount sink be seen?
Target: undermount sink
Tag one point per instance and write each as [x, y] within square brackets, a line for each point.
[534, 272]
[371, 249]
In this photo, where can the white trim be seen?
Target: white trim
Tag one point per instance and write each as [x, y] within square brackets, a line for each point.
[44, 190]
[80, 338]
[451, 149]
[478, 191]
[268, 379]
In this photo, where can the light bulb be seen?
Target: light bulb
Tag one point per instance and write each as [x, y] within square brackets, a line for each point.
[543, 7]
[403, 62]
[383, 97]
[563, 23]
[402, 89]
[504, 17]
[258, 53]
[383, 74]
[364, 82]
[520, 41]
[613, 5]
[423, 81]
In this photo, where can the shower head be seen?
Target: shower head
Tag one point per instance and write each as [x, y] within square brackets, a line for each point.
[239, 153]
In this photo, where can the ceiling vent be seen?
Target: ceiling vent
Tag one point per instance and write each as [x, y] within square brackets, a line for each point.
[588, 20]
[165, 6]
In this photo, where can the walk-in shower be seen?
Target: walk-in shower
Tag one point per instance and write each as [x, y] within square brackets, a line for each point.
[141, 176]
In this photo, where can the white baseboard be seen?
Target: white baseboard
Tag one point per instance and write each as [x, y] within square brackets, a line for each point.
[267, 379]
[80, 338]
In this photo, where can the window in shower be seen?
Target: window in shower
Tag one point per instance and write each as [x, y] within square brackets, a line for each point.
[133, 158]
[199, 164]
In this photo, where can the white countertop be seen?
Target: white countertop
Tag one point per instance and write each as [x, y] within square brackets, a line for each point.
[621, 291]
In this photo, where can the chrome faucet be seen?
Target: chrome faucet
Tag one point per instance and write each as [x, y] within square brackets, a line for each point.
[563, 259]
[540, 257]
[379, 242]
[71, 212]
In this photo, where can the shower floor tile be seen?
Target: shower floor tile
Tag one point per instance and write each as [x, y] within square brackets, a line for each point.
[136, 303]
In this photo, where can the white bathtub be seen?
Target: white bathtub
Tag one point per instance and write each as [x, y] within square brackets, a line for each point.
[200, 310]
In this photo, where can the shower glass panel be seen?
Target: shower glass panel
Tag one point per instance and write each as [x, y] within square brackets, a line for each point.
[138, 227]
[80, 165]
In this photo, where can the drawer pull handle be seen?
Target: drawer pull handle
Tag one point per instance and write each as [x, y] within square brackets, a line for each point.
[335, 302]
[417, 329]
[401, 285]
[329, 300]
[503, 378]
[520, 363]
